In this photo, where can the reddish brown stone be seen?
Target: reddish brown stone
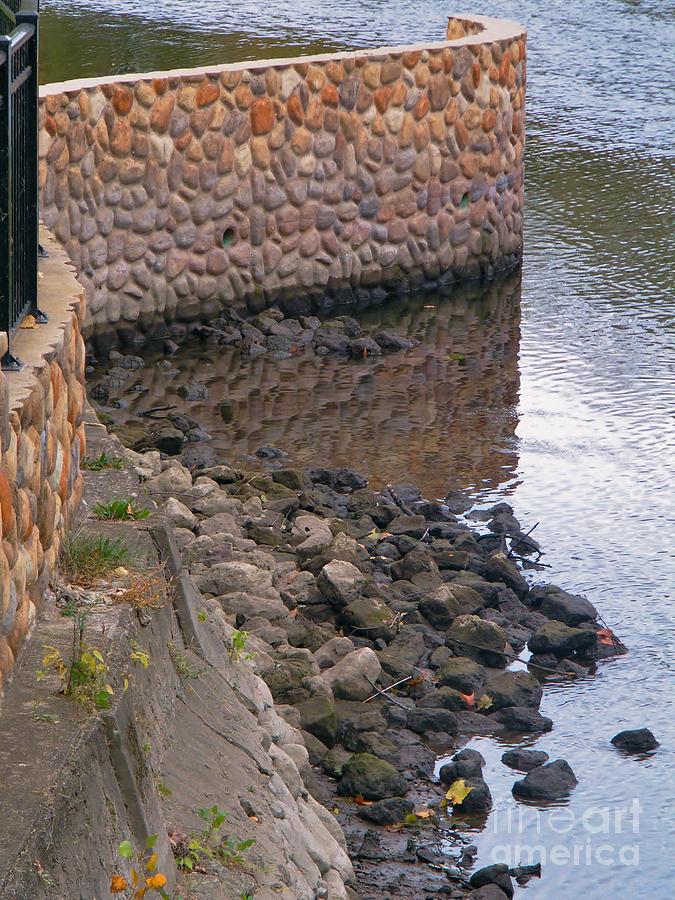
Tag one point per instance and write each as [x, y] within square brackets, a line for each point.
[120, 138]
[382, 96]
[422, 107]
[160, 85]
[301, 141]
[262, 115]
[160, 114]
[243, 96]
[335, 71]
[475, 74]
[122, 99]
[399, 94]
[314, 115]
[411, 58]
[461, 134]
[329, 95]
[489, 120]
[294, 109]
[207, 93]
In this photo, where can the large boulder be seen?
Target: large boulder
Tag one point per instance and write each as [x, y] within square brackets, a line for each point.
[513, 689]
[179, 515]
[353, 677]
[482, 641]
[235, 576]
[500, 568]
[404, 652]
[173, 481]
[340, 582]
[285, 681]
[250, 606]
[369, 617]
[561, 640]
[372, 778]
[462, 674]
[317, 716]
[548, 782]
[443, 605]
[555, 603]
[423, 720]
[640, 740]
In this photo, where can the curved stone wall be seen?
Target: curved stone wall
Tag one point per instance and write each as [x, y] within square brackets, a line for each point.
[42, 441]
[294, 181]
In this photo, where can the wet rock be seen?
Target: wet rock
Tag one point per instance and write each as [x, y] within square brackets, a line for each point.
[524, 760]
[193, 390]
[639, 740]
[404, 652]
[561, 640]
[371, 777]
[500, 568]
[389, 341]
[443, 605]
[199, 456]
[266, 452]
[353, 677]
[444, 698]
[342, 480]
[513, 689]
[465, 764]
[479, 799]
[414, 526]
[317, 716]
[340, 583]
[463, 674]
[473, 637]
[422, 721]
[331, 339]
[166, 439]
[523, 720]
[294, 479]
[458, 502]
[548, 782]
[412, 564]
[364, 347]
[369, 617]
[334, 761]
[555, 603]
[387, 812]
[497, 875]
[489, 892]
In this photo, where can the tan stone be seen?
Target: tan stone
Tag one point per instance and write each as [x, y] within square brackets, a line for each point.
[262, 115]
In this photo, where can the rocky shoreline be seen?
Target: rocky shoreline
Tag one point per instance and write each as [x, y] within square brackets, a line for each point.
[384, 625]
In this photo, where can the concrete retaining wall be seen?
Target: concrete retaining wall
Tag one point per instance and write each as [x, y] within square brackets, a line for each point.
[42, 441]
[291, 181]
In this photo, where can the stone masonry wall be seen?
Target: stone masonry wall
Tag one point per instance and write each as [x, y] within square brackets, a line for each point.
[291, 181]
[41, 443]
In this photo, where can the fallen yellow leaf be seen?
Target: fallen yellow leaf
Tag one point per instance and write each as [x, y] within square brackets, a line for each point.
[458, 792]
[485, 702]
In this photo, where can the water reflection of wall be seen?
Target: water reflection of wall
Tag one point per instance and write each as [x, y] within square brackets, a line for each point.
[442, 414]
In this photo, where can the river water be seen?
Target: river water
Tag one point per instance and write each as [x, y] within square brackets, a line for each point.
[555, 393]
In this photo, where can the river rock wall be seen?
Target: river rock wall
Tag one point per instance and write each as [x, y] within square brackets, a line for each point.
[42, 441]
[299, 181]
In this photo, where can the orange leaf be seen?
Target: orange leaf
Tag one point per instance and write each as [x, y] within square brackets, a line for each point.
[118, 884]
[469, 699]
[156, 881]
[151, 864]
[294, 613]
[365, 352]
[361, 802]
[605, 636]
[424, 813]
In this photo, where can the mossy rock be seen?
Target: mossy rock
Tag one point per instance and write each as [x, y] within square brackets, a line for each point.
[372, 778]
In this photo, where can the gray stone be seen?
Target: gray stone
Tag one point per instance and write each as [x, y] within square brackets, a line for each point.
[372, 778]
[548, 782]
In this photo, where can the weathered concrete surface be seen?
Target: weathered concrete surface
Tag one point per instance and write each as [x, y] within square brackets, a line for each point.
[170, 744]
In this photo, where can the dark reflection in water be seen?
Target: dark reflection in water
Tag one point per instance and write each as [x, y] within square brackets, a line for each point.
[575, 428]
[443, 413]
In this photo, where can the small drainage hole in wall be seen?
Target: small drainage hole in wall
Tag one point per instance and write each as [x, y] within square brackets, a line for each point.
[229, 237]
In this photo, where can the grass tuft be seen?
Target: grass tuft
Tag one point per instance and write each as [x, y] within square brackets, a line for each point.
[102, 461]
[85, 559]
[120, 511]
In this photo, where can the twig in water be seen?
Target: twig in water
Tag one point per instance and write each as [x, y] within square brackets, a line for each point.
[384, 690]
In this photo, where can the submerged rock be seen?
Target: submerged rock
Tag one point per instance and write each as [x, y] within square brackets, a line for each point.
[524, 760]
[497, 875]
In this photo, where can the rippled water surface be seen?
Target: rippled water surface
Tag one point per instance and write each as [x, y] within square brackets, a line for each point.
[556, 394]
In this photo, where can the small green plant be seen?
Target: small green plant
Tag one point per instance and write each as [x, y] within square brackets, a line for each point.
[192, 851]
[83, 558]
[238, 646]
[121, 510]
[46, 718]
[144, 876]
[201, 616]
[138, 655]
[102, 461]
[85, 677]
[182, 663]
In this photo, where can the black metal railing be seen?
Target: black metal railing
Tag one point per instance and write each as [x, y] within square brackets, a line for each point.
[19, 35]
